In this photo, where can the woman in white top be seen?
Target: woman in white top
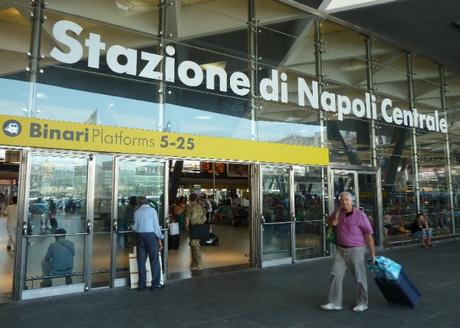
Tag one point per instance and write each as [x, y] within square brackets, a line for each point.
[11, 222]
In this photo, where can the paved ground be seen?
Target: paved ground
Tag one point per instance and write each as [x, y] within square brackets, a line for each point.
[287, 296]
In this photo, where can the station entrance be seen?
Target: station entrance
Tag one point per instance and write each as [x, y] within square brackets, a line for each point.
[75, 214]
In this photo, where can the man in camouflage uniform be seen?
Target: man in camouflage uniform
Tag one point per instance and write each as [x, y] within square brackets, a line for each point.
[195, 214]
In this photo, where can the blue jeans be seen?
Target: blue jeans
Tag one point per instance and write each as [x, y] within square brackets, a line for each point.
[147, 244]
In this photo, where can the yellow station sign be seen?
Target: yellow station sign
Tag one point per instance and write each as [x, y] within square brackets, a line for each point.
[30, 132]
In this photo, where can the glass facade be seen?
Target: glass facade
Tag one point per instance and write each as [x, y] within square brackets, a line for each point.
[242, 69]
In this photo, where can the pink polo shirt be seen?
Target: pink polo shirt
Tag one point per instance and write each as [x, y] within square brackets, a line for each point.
[351, 230]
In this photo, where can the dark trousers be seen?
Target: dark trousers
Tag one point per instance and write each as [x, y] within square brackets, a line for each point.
[147, 244]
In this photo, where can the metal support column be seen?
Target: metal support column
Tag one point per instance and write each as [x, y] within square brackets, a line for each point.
[253, 67]
[34, 54]
[447, 149]
[373, 136]
[256, 223]
[21, 232]
[90, 187]
[410, 81]
[163, 43]
[319, 48]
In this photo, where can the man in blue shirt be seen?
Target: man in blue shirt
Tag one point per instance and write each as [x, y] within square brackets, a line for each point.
[149, 242]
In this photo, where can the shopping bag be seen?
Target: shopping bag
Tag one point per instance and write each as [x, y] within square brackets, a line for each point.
[331, 235]
[173, 228]
[385, 268]
[133, 272]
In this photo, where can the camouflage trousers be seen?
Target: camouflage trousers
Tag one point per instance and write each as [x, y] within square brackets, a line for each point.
[196, 263]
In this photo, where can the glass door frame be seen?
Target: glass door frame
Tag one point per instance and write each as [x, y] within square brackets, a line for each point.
[291, 222]
[378, 193]
[19, 289]
[121, 282]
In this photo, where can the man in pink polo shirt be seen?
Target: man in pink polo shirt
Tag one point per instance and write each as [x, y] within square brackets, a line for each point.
[353, 231]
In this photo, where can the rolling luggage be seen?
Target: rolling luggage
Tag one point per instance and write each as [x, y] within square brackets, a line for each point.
[393, 282]
[400, 291]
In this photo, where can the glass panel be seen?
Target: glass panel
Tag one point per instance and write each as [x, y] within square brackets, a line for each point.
[344, 58]
[398, 197]
[57, 196]
[102, 221]
[54, 260]
[141, 15]
[15, 33]
[368, 200]
[308, 212]
[216, 25]
[276, 241]
[389, 71]
[212, 107]
[343, 181]
[57, 205]
[452, 93]
[106, 82]
[136, 177]
[295, 44]
[275, 193]
[427, 83]
[271, 12]
[348, 135]
[287, 123]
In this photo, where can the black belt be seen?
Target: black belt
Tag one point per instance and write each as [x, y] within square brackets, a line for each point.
[346, 246]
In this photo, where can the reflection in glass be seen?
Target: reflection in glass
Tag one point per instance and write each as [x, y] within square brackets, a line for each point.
[287, 123]
[349, 141]
[102, 221]
[389, 71]
[207, 114]
[308, 212]
[224, 29]
[57, 196]
[54, 260]
[276, 241]
[295, 44]
[344, 58]
[136, 177]
[96, 94]
[368, 200]
[343, 181]
[15, 32]
[275, 193]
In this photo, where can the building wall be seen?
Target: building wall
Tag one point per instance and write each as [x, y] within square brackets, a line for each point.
[261, 39]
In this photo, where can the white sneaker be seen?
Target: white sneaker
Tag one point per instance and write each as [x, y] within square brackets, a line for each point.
[331, 307]
[360, 308]
[43, 227]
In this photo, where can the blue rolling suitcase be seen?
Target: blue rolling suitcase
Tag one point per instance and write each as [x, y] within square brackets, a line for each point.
[400, 291]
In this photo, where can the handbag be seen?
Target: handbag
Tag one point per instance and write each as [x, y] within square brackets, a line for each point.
[331, 235]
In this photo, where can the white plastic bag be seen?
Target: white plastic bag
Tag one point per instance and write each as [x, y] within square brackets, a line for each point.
[386, 268]
[173, 228]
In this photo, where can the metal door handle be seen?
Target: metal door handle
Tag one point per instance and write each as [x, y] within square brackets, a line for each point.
[115, 225]
[89, 226]
[24, 228]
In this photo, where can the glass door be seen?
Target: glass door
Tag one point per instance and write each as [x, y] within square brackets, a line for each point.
[277, 219]
[308, 205]
[363, 188]
[102, 232]
[367, 192]
[56, 224]
[134, 177]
